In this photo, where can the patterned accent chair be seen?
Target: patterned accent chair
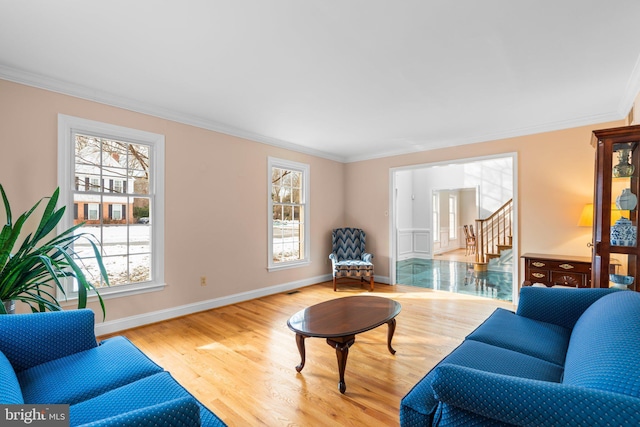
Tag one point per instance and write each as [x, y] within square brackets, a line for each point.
[348, 256]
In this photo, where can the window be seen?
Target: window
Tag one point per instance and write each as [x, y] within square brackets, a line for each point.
[288, 184]
[116, 211]
[117, 186]
[94, 183]
[435, 214]
[453, 216]
[109, 175]
[92, 209]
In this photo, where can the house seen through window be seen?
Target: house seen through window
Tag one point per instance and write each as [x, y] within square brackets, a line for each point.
[112, 189]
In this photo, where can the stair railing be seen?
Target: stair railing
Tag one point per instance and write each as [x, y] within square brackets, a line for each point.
[493, 232]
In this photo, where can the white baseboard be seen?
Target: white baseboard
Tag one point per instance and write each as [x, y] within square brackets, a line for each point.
[113, 326]
[110, 327]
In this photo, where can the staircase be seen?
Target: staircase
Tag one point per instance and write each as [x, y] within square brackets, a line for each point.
[494, 239]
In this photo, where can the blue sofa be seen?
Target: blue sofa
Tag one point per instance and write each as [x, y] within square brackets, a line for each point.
[567, 357]
[54, 358]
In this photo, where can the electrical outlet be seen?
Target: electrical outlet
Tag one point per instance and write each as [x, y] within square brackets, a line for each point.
[203, 281]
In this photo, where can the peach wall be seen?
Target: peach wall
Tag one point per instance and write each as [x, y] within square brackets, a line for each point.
[555, 179]
[216, 200]
[216, 194]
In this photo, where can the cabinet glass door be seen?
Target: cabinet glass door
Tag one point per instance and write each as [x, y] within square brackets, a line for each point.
[616, 254]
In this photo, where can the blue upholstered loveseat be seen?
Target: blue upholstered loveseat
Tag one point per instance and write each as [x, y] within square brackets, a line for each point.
[53, 358]
[567, 357]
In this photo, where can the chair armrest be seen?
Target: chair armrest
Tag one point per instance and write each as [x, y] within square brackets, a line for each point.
[182, 412]
[367, 257]
[526, 402]
[334, 258]
[560, 306]
[31, 339]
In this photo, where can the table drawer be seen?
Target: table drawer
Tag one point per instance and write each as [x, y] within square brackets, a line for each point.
[576, 280]
[560, 266]
[539, 276]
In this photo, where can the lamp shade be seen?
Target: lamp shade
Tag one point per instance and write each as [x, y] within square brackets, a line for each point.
[586, 217]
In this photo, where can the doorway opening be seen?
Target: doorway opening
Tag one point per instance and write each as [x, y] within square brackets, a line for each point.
[430, 206]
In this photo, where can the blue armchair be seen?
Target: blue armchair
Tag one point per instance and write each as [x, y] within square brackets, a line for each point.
[348, 256]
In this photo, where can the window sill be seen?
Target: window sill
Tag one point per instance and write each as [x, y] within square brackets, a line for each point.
[288, 266]
[109, 293]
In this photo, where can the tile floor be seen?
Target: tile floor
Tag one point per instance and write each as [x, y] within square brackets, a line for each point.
[454, 276]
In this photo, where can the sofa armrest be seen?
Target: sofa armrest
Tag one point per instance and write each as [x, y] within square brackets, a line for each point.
[559, 306]
[183, 412]
[31, 339]
[527, 402]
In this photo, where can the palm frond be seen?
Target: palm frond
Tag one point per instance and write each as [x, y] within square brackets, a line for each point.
[36, 270]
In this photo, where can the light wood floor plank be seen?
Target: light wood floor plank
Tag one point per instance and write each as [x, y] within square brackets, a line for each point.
[240, 360]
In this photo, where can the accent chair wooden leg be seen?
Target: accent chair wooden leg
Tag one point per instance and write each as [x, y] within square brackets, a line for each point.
[371, 284]
[334, 283]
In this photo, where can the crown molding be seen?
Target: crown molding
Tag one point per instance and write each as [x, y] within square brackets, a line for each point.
[83, 92]
[419, 146]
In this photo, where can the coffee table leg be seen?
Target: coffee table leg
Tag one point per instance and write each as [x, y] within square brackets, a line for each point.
[300, 343]
[392, 329]
[342, 345]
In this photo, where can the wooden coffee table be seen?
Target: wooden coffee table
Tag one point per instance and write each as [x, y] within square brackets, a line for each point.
[339, 320]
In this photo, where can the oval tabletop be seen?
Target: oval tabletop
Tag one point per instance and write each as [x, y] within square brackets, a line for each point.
[344, 316]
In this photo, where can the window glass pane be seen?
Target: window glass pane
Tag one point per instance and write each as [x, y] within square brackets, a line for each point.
[141, 210]
[117, 269]
[92, 273]
[295, 195]
[140, 268]
[106, 171]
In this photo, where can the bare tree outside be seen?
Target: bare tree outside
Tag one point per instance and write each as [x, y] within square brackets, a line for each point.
[111, 197]
[286, 196]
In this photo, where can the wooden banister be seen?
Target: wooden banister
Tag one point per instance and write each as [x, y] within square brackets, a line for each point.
[494, 232]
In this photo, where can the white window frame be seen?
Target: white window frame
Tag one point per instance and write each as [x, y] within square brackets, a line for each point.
[67, 127]
[435, 216]
[305, 170]
[453, 216]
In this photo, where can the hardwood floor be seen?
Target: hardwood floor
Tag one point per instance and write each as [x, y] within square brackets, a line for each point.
[240, 360]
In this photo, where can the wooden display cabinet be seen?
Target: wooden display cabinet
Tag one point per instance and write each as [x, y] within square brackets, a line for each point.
[617, 169]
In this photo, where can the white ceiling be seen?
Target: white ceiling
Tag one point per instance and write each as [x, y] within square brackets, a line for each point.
[343, 79]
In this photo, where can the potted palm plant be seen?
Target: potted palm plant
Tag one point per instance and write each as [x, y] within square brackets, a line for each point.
[32, 270]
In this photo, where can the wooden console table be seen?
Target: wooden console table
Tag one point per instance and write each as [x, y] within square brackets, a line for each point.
[564, 270]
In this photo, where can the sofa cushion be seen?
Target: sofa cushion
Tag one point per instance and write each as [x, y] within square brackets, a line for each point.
[148, 391]
[542, 340]
[10, 390]
[605, 344]
[484, 357]
[86, 374]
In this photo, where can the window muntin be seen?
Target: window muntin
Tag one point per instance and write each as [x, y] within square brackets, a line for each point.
[113, 178]
[288, 214]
